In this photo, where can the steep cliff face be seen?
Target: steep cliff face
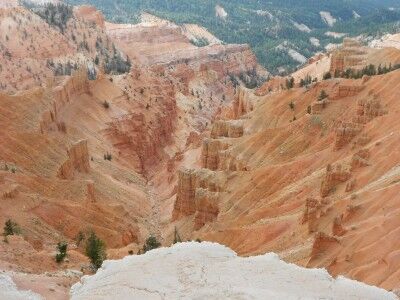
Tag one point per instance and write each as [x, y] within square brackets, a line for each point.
[135, 41]
[148, 122]
[60, 96]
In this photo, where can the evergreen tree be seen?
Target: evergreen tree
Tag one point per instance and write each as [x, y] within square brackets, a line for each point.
[150, 244]
[289, 83]
[11, 228]
[62, 251]
[95, 250]
[322, 95]
[327, 76]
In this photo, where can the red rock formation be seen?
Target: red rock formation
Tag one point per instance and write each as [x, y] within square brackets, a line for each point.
[368, 110]
[345, 133]
[10, 191]
[350, 185]
[311, 214]
[186, 191]
[198, 194]
[91, 14]
[344, 91]
[348, 56]
[363, 139]
[78, 160]
[276, 83]
[206, 207]
[322, 242]
[229, 162]
[337, 227]
[194, 139]
[334, 176]
[129, 236]
[75, 85]
[242, 104]
[72, 87]
[210, 153]
[360, 159]
[231, 129]
[318, 106]
[91, 192]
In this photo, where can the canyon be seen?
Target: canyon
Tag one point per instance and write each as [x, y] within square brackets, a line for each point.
[183, 143]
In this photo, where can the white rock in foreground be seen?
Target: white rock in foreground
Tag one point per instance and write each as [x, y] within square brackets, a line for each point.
[211, 271]
[9, 291]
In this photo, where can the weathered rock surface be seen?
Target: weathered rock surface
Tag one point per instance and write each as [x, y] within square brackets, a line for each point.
[213, 268]
[197, 194]
[334, 175]
[78, 160]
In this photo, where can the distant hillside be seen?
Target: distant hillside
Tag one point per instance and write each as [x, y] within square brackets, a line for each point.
[282, 33]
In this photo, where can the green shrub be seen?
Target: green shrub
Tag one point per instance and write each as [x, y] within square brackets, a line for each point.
[95, 250]
[106, 105]
[11, 228]
[62, 251]
[150, 244]
[289, 83]
[327, 75]
[200, 42]
[117, 64]
[55, 15]
[108, 156]
[323, 95]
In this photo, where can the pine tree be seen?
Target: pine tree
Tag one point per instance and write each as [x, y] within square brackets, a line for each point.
[151, 243]
[322, 95]
[95, 250]
[10, 228]
[62, 251]
[327, 76]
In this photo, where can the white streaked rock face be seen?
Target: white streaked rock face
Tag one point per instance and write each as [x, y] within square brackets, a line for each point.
[211, 271]
[327, 18]
[9, 291]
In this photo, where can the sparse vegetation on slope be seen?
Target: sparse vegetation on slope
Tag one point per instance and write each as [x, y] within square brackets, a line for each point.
[55, 14]
[11, 228]
[61, 251]
[95, 250]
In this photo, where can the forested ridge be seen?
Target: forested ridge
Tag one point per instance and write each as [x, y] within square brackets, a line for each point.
[270, 27]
